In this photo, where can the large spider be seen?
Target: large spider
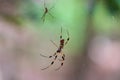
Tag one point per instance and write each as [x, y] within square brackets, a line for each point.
[58, 52]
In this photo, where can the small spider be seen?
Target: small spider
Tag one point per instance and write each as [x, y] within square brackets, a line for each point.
[46, 11]
[58, 51]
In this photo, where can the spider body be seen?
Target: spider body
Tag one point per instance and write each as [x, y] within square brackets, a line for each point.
[62, 42]
[61, 46]
[46, 10]
[58, 51]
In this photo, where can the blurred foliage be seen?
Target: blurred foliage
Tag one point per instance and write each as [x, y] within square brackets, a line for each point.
[13, 19]
[113, 6]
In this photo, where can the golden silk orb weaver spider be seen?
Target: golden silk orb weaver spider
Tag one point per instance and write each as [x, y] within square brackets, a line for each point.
[46, 11]
[62, 43]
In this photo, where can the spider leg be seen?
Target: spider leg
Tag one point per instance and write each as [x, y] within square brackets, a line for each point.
[51, 8]
[67, 38]
[61, 34]
[51, 63]
[43, 17]
[54, 43]
[44, 56]
[44, 4]
[51, 15]
[55, 54]
[48, 66]
[62, 62]
[59, 67]
[63, 58]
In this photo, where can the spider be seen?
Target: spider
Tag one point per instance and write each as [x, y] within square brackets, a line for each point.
[46, 11]
[58, 52]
